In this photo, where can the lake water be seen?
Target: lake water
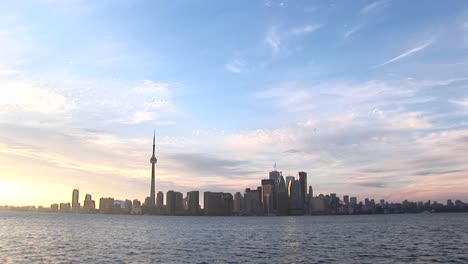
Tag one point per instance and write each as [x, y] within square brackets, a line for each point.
[72, 238]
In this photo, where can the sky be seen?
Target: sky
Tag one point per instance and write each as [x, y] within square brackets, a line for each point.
[370, 98]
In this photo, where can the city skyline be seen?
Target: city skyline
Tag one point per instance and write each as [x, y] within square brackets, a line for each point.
[232, 89]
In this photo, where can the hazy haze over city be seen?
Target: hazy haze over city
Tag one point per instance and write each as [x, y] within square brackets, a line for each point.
[370, 98]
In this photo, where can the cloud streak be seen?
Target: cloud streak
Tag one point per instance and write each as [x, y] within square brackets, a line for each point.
[407, 53]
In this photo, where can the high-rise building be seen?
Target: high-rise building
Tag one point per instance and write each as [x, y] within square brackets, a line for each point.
[238, 200]
[282, 201]
[218, 203]
[193, 202]
[346, 199]
[310, 195]
[170, 202]
[267, 195]
[252, 202]
[303, 181]
[89, 203]
[275, 177]
[179, 200]
[296, 203]
[160, 200]
[75, 199]
[106, 205]
[288, 180]
[153, 161]
[353, 201]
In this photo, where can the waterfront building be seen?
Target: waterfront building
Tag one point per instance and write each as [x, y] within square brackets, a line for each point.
[89, 204]
[274, 176]
[193, 203]
[54, 207]
[318, 205]
[353, 201]
[160, 200]
[267, 195]
[252, 202]
[296, 204]
[311, 194]
[303, 181]
[136, 203]
[282, 200]
[75, 199]
[218, 203]
[346, 199]
[179, 201]
[65, 207]
[170, 202]
[238, 200]
[288, 180]
[106, 205]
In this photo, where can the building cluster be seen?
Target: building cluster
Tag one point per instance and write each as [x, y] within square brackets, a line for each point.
[277, 195]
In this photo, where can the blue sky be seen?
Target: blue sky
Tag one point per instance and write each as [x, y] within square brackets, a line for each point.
[369, 97]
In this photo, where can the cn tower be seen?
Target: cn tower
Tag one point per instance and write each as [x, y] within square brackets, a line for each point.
[153, 161]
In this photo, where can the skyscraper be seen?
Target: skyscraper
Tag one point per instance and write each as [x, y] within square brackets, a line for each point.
[160, 200]
[303, 181]
[282, 203]
[153, 161]
[268, 195]
[75, 199]
[193, 203]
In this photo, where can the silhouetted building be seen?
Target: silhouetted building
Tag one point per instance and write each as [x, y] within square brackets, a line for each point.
[296, 204]
[303, 181]
[179, 200]
[346, 199]
[65, 207]
[252, 202]
[267, 195]
[282, 199]
[106, 205]
[89, 203]
[54, 207]
[75, 199]
[238, 202]
[193, 202]
[218, 203]
[288, 180]
[171, 202]
[136, 203]
[353, 201]
[274, 176]
[160, 200]
[153, 160]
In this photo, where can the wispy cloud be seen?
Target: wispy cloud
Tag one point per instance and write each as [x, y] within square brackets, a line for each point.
[407, 53]
[273, 39]
[305, 29]
[352, 30]
[235, 66]
[373, 6]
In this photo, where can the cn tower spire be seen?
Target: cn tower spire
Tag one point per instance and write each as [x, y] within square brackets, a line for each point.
[154, 141]
[153, 161]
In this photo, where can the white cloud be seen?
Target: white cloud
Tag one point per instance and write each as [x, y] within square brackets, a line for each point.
[273, 39]
[352, 30]
[305, 29]
[152, 87]
[407, 53]
[373, 6]
[235, 66]
[20, 94]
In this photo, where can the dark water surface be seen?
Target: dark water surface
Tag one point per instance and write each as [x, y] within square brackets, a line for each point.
[73, 238]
